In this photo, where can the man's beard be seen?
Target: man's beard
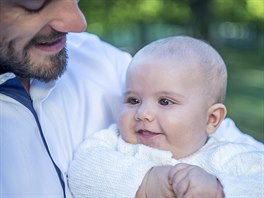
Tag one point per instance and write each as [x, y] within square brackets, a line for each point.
[53, 67]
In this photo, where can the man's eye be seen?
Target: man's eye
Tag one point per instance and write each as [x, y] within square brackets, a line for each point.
[132, 101]
[33, 6]
[165, 101]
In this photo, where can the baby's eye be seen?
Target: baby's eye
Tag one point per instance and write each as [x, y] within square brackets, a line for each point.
[132, 100]
[165, 101]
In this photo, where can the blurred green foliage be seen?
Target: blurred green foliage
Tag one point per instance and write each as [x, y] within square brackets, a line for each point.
[234, 27]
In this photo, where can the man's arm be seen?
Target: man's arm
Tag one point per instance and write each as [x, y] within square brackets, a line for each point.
[228, 131]
[243, 175]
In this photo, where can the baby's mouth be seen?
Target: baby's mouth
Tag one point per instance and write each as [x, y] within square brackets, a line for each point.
[147, 134]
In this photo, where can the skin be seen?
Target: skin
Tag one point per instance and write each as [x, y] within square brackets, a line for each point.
[33, 37]
[159, 187]
[164, 108]
[192, 181]
[181, 181]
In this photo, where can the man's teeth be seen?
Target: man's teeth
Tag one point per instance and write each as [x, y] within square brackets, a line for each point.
[47, 42]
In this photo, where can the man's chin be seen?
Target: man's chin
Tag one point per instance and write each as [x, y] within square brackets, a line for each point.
[47, 69]
[49, 75]
[54, 67]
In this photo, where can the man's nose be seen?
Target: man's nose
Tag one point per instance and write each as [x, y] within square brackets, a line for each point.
[67, 17]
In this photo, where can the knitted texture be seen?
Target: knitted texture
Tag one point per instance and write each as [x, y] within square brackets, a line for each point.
[121, 167]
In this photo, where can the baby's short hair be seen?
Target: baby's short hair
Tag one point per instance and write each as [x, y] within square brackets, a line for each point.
[212, 66]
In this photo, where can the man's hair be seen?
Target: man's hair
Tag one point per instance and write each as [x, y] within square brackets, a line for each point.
[211, 65]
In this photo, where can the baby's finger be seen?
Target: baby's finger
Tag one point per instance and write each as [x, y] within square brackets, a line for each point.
[177, 169]
[188, 194]
[180, 188]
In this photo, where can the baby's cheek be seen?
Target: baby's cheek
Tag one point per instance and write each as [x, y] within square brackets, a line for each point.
[127, 126]
[130, 138]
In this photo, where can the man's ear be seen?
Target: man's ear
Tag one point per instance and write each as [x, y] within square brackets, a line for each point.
[216, 114]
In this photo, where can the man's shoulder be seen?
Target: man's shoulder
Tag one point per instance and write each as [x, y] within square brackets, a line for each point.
[77, 39]
[88, 42]
[88, 49]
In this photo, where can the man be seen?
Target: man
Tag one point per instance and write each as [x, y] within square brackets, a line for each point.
[35, 158]
[45, 110]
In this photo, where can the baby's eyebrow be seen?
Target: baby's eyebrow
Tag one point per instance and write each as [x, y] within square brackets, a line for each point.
[128, 93]
[171, 93]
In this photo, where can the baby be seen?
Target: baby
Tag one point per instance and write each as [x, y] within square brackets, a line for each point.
[173, 103]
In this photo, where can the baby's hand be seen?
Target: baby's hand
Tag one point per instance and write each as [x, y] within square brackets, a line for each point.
[156, 184]
[189, 181]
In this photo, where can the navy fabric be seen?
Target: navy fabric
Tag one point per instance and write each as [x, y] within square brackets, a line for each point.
[15, 90]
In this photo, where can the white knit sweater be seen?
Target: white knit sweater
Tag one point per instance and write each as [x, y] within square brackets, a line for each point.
[239, 167]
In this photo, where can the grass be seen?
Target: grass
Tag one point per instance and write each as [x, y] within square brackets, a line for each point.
[245, 92]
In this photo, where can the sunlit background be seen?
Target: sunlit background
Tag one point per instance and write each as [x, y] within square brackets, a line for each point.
[233, 27]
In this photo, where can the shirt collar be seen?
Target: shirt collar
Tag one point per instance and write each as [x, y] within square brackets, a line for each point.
[41, 90]
[6, 76]
[38, 90]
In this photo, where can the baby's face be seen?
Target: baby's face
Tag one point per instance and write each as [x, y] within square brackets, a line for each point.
[163, 106]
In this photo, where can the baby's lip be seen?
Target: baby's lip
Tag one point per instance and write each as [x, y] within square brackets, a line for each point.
[147, 137]
[147, 133]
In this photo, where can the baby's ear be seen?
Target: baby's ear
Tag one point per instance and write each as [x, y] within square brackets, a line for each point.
[216, 114]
